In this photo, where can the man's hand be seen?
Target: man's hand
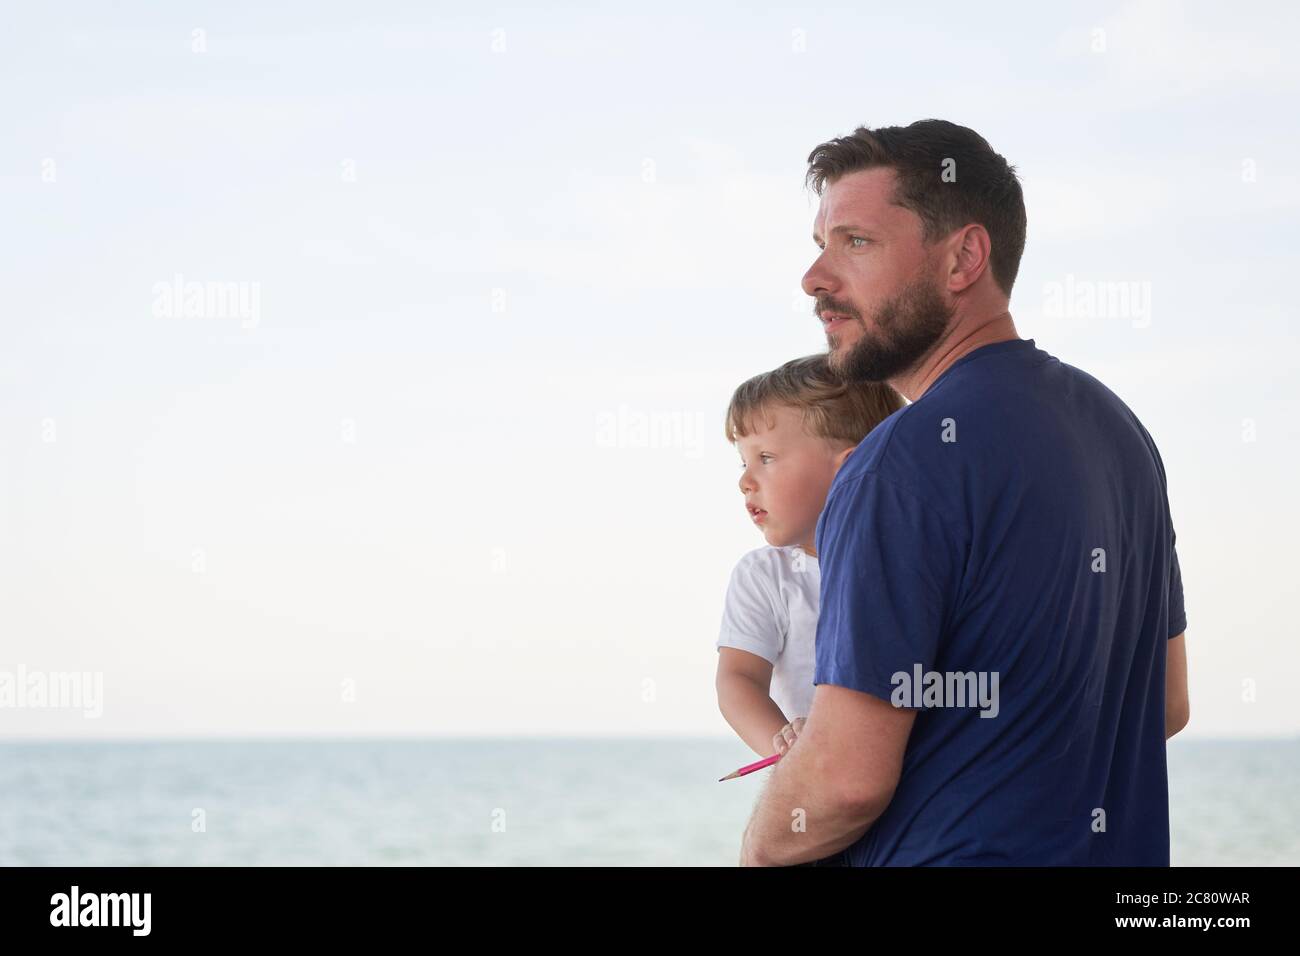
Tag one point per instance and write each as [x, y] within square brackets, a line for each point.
[787, 735]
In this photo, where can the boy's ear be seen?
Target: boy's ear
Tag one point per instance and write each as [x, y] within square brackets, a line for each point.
[843, 456]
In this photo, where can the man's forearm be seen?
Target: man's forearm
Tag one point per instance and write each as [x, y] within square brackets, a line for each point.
[798, 819]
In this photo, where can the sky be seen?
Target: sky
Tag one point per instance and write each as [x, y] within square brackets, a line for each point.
[436, 448]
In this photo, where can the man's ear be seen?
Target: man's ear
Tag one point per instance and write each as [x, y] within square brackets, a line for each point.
[970, 257]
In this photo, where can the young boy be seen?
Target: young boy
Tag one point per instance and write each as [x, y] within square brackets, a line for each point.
[794, 427]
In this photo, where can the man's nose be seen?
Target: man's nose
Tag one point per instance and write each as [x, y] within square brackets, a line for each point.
[818, 279]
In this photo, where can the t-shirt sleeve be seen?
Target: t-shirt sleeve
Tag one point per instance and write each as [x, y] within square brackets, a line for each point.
[751, 615]
[890, 570]
[1177, 614]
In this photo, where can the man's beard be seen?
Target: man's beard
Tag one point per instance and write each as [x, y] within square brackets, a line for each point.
[902, 330]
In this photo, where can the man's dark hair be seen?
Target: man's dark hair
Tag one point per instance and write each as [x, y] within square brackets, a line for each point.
[983, 189]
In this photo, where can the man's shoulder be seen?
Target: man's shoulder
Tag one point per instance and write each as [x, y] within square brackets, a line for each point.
[995, 404]
[897, 446]
[929, 448]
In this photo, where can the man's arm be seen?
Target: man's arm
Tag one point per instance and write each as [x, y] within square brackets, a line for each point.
[834, 783]
[1177, 707]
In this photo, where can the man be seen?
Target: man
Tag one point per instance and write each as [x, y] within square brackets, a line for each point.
[999, 656]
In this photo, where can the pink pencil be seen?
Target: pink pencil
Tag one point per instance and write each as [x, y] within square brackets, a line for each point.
[750, 768]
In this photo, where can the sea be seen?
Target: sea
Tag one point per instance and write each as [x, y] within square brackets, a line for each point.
[502, 802]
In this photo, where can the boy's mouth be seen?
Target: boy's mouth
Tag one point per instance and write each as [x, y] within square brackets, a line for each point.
[758, 514]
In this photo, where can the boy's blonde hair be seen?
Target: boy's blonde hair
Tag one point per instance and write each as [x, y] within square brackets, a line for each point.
[831, 408]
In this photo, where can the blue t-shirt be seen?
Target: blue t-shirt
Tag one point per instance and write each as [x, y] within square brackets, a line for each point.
[1009, 531]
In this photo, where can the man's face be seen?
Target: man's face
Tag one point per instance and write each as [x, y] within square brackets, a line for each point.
[877, 286]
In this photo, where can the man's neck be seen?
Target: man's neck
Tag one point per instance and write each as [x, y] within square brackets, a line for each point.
[963, 338]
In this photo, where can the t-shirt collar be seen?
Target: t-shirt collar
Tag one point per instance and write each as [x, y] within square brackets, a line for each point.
[993, 348]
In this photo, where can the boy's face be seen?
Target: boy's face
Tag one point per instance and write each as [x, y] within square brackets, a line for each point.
[786, 476]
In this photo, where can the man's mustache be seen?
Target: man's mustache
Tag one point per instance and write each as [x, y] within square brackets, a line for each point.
[822, 306]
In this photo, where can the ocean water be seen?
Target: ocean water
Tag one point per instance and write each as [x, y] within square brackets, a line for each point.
[526, 802]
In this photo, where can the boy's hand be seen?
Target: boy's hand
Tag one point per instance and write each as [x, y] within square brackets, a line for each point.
[787, 735]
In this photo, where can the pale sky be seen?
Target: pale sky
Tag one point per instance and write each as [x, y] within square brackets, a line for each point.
[408, 491]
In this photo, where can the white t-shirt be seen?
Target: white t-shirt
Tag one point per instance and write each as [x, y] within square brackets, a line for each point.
[771, 610]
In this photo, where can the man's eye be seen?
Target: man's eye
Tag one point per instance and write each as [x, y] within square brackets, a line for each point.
[860, 239]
